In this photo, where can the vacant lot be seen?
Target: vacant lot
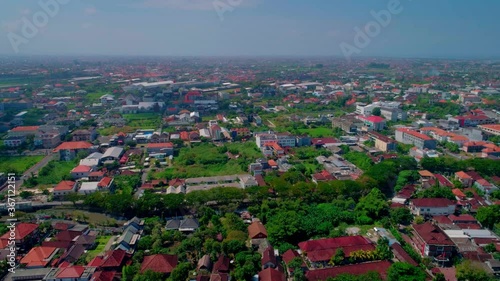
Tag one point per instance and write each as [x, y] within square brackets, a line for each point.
[143, 120]
[205, 160]
[18, 164]
[317, 132]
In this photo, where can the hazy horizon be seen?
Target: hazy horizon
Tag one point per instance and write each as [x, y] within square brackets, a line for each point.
[422, 29]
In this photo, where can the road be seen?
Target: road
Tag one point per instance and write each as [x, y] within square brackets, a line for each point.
[34, 170]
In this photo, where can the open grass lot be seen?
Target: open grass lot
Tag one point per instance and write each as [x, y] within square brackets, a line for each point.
[18, 164]
[206, 160]
[143, 120]
[54, 172]
[109, 131]
[317, 132]
[101, 242]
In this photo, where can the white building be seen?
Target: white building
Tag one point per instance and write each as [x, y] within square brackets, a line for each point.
[432, 206]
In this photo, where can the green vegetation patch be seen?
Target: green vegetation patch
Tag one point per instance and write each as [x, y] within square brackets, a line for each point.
[18, 164]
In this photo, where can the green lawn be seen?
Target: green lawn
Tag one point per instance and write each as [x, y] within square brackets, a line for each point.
[18, 164]
[317, 132]
[143, 120]
[101, 242]
[206, 160]
[54, 172]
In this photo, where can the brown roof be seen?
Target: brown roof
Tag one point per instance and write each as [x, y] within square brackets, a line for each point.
[271, 274]
[403, 254]
[222, 264]
[159, 263]
[355, 269]
[255, 229]
[432, 202]
[432, 234]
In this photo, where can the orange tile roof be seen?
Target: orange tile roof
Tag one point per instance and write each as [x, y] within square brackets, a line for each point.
[22, 230]
[64, 185]
[492, 126]
[463, 175]
[73, 145]
[38, 256]
[161, 145]
[25, 128]
[81, 169]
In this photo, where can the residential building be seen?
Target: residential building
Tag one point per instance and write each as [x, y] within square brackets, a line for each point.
[393, 114]
[430, 241]
[257, 230]
[381, 267]
[465, 179]
[85, 135]
[14, 141]
[88, 188]
[419, 140]
[69, 150]
[73, 273]
[161, 263]
[348, 124]
[262, 139]
[286, 140]
[39, 257]
[432, 206]
[81, 171]
[472, 120]
[112, 154]
[26, 235]
[271, 274]
[64, 188]
[24, 131]
[166, 147]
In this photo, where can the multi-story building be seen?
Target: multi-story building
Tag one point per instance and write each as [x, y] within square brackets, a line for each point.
[69, 150]
[493, 129]
[286, 140]
[393, 114]
[382, 142]
[430, 241]
[419, 140]
[85, 135]
[367, 109]
[372, 123]
[264, 138]
[472, 120]
[432, 206]
[348, 124]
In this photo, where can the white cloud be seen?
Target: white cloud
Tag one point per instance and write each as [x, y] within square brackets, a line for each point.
[90, 11]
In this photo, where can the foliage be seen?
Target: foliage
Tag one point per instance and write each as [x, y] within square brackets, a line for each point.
[401, 271]
[488, 216]
[361, 160]
[405, 177]
[372, 276]
[488, 167]
[18, 164]
[436, 192]
[26, 194]
[469, 270]
[401, 216]
[373, 205]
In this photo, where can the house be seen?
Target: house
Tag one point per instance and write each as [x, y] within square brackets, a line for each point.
[381, 267]
[222, 265]
[184, 225]
[112, 154]
[319, 252]
[430, 241]
[129, 238]
[204, 263]
[257, 230]
[401, 255]
[269, 258]
[485, 186]
[88, 187]
[323, 176]
[39, 257]
[166, 147]
[271, 274]
[68, 150]
[93, 160]
[114, 260]
[85, 135]
[26, 235]
[81, 171]
[160, 263]
[432, 206]
[96, 175]
[248, 181]
[72, 254]
[464, 179]
[105, 183]
[73, 273]
[64, 188]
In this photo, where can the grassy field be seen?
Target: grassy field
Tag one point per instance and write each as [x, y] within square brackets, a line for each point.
[206, 160]
[55, 171]
[18, 164]
[317, 132]
[101, 242]
[143, 120]
[115, 130]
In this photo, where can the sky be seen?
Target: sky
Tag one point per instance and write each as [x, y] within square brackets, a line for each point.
[416, 28]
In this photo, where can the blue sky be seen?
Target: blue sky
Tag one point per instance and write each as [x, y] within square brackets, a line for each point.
[424, 28]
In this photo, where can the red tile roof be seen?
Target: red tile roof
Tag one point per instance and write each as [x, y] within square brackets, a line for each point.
[432, 234]
[462, 218]
[462, 175]
[432, 202]
[73, 145]
[324, 249]
[104, 276]
[22, 230]
[355, 269]
[105, 182]
[403, 254]
[160, 145]
[114, 259]
[271, 274]
[38, 256]
[25, 128]
[81, 169]
[255, 229]
[159, 263]
[289, 255]
[415, 134]
[64, 186]
[73, 272]
[373, 119]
